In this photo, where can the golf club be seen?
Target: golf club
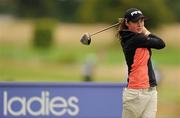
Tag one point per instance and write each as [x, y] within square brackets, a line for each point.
[86, 37]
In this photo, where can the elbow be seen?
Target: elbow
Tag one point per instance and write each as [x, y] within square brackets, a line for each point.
[158, 43]
[161, 46]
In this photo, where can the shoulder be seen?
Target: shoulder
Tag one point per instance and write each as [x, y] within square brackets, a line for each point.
[126, 34]
[129, 35]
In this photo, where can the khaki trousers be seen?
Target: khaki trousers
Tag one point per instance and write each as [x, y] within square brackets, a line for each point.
[139, 103]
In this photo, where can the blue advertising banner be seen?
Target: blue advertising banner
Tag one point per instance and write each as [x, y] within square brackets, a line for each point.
[60, 100]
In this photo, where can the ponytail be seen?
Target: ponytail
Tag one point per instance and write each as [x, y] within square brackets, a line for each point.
[122, 26]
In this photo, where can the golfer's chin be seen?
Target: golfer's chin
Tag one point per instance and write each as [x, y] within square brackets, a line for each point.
[139, 30]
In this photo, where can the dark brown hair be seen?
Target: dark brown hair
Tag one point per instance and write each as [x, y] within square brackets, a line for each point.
[122, 26]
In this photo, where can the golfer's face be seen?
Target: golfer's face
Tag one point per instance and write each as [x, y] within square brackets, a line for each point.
[136, 26]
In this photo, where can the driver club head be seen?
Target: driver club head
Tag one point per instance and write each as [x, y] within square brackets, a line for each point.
[86, 39]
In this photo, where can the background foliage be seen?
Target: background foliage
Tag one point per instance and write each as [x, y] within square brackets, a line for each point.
[92, 11]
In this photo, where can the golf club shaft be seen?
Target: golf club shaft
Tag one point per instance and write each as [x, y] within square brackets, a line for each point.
[104, 29]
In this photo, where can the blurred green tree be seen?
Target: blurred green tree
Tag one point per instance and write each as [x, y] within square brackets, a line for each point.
[156, 10]
[36, 8]
[174, 7]
[92, 11]
[99, 11]
[7, 6]
[67, 10]
[109, 10]
[43, 33]
[87, 11]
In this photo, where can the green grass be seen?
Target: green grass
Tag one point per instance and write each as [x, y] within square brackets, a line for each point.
[61, 64]
[63, 54]
[167, 56]
[64, 63]
[40, 73]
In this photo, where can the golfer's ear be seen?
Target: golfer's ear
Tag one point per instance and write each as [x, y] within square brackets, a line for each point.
[126, 22]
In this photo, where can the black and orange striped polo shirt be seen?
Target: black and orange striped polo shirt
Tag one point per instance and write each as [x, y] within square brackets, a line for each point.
[137, 51]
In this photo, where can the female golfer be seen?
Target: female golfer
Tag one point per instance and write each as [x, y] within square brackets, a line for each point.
[140, 95]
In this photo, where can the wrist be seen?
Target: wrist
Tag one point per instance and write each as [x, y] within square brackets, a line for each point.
[147, 33]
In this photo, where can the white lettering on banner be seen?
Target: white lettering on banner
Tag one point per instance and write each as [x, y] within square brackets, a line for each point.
[72, 102]
[57, 106]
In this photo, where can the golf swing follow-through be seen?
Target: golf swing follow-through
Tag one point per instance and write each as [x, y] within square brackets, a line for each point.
[140, 95]
[86, 38]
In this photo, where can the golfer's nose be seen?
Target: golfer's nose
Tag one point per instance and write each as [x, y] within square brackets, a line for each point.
[140, 23]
